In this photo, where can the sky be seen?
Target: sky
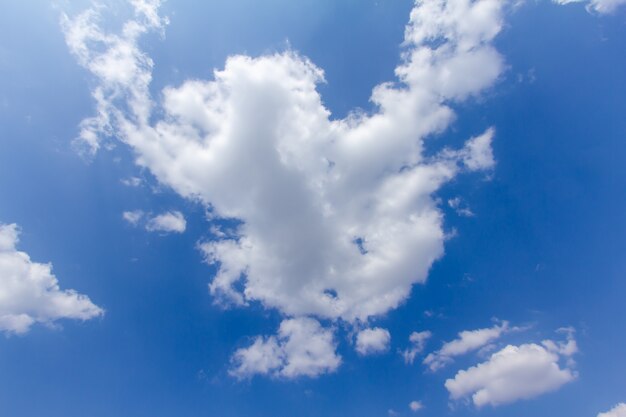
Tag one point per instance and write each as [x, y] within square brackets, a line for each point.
[313, 208]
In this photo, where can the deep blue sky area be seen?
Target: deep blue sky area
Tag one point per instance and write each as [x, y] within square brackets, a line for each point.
[544, 249]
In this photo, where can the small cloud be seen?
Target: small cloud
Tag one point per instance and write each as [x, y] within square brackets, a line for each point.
[598, 6]
[372, 341]
[468, 340]
[133, 217]
[30, 291]
[302, 347]
[515, 373]
[171, 221]
[478, 154]
[416, 406]
[132, 181]
[461, 209]
[418, 341]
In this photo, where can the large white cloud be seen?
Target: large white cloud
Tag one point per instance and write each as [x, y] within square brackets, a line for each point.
[337, 216]
[515, 373]
[618, 411]
[30, 293]
[301, 348]
[467, 341]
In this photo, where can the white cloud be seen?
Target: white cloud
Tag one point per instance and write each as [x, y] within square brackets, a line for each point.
[372, 341]
[171, 221]
[418, 341]
[468, 340]
[514, 373]
[338, 218]
[599, 6]
[457, 204]
[618, 411]
[132, 181]
[30, 293]
[416, 406]
[133, 217]
[301, 348]
[478, 153]
[122, 69]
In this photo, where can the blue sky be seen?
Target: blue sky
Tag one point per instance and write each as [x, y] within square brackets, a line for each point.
[272, 239]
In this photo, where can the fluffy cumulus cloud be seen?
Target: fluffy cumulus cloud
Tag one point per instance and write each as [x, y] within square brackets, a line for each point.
[302, 347]
[467, 341]
[336, 216]
[618, 411]
[168, 222]
[515, 373]
[599, 6]
[372, 341]
[418, 343]
[30, 293]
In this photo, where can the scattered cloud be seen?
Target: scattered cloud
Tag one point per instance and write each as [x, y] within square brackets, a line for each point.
[132, 181]
[415, 406]
[372, 341]
[302, 347]
[468, 340]
[599, 6]
[133, 217]
[462, 210]
[618, 411]
[515, 373]
[418, 343]
[30, 293]
[168, 222]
